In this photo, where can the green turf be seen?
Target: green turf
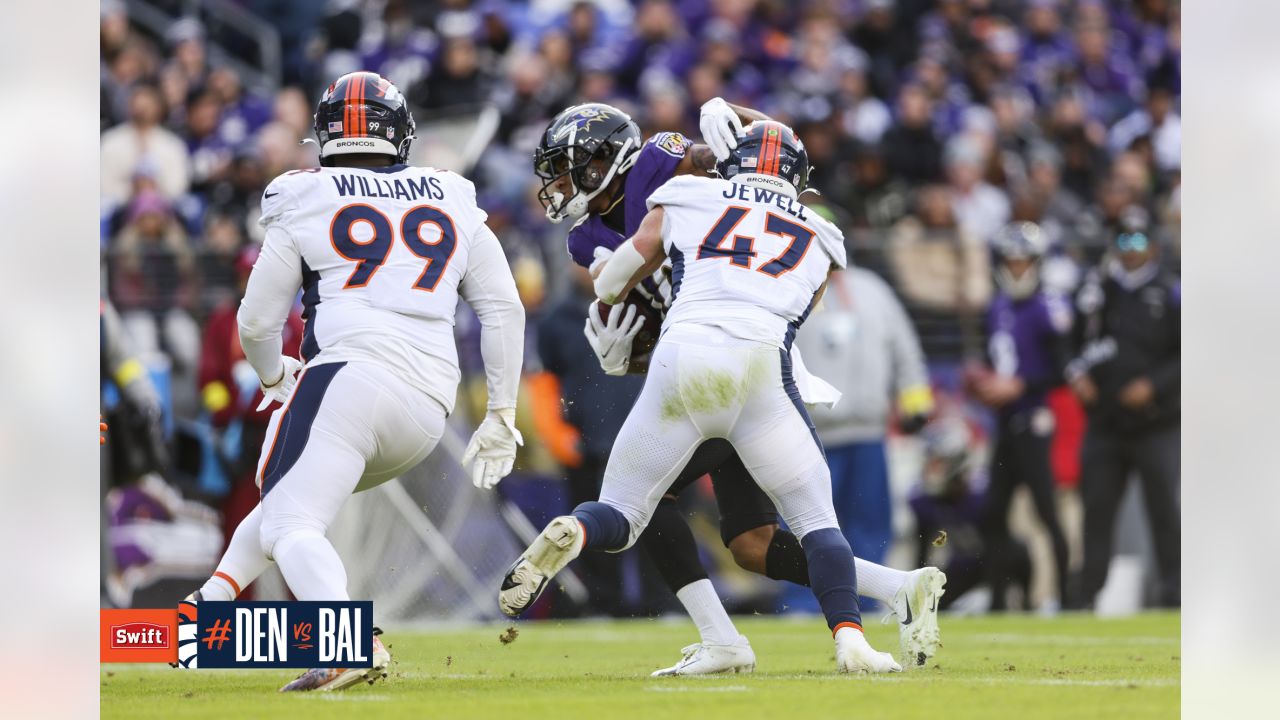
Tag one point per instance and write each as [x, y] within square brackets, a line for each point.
[994, 667]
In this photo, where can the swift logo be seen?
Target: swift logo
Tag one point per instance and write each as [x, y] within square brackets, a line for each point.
[139, 635]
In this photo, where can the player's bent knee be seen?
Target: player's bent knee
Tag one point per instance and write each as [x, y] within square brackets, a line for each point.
[277, 525]
[750, 548]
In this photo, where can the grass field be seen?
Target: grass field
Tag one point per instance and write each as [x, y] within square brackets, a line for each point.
[995, 667]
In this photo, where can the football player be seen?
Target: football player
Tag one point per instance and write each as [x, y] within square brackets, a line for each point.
[594, 165]
[748, 264]
[382, 252]
[1028, 346]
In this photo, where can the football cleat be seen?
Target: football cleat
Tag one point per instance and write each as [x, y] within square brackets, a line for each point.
[855, 655]
[559, 542]
[706, 659]
[916, 605]
[339, 678]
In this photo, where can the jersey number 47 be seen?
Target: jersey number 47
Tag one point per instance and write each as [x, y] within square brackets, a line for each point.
[743, 248]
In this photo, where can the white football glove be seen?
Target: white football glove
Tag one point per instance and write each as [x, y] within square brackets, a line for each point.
[612, 340]
[281, 389]
[720, 127]
[493, 448]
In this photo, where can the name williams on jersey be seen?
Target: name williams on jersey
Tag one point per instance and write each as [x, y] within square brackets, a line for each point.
[408, 188]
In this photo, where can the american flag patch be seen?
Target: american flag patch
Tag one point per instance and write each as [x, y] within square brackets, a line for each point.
[749, 162]
[335, 126]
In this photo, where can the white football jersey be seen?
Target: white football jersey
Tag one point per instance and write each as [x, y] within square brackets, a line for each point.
[383, 252]
[743, 258]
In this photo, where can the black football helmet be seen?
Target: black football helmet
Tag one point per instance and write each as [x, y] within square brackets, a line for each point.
[772, 155]
[1019, 241]
[363, 112]
[578, 135]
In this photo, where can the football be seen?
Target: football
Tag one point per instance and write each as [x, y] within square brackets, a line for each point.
[647, 338]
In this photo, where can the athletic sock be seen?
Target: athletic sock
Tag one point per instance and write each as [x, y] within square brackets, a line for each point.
[241, 564]
[785, 559]
[703, 605]
[669, 543]
[833, 577]
[605, 527]
[311, 567]
[879, 582]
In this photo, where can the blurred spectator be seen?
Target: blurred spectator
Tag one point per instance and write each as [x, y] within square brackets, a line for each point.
[980, 208]
[1060, 208]
[210, 154]
[872, 198]
[1111, 78]
[1157, 122]
[1027, 339]
[125, 147]
[153, 280]
[1128, 374]
[396, 48]
[187, 53]
[911, 147]
[459, 82]
[935, 262]
[243, 113]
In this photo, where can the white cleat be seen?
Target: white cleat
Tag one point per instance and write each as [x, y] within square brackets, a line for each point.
[339, 678]
[705, 659]
[916, 606]
[559, 542]
[855, 655]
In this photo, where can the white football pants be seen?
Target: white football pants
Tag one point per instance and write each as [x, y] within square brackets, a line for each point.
[348, 426]
[702, 384]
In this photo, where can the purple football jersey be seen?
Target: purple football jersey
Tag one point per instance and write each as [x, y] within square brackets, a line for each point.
[1022, 338]
[655, 165]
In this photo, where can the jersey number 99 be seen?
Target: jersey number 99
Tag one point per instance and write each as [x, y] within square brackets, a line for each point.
[372, 253]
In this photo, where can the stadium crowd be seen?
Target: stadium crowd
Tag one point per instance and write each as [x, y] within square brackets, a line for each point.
[930, 125]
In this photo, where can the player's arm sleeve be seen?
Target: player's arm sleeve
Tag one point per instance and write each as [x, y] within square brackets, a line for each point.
[490, 290]
[832, 242]
[273, 286]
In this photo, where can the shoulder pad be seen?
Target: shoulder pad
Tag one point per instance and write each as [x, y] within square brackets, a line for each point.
[281, 195]
[675, 190]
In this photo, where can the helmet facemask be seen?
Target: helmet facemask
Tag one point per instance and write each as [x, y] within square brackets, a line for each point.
[582, 166]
